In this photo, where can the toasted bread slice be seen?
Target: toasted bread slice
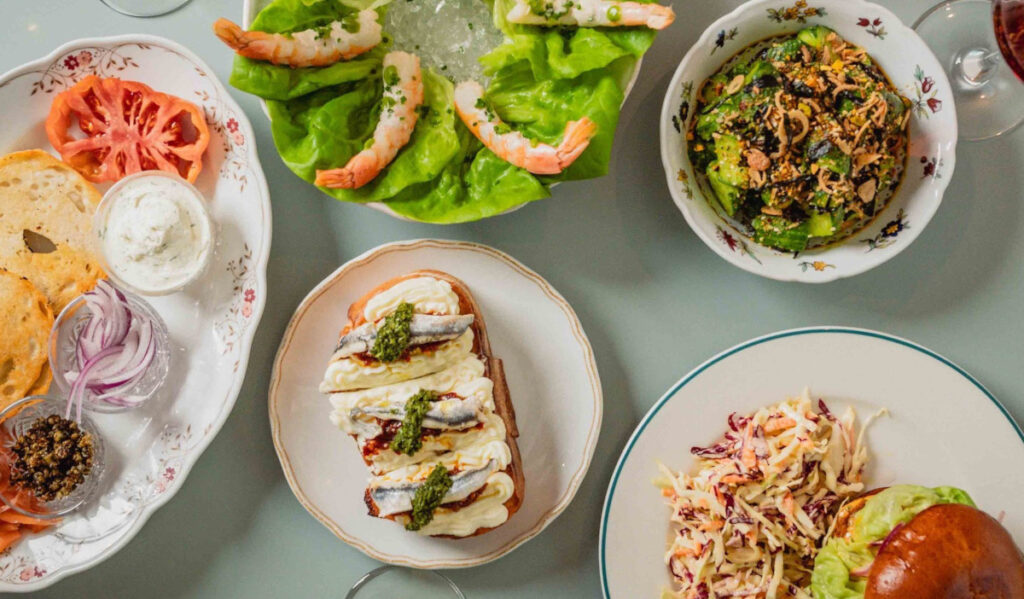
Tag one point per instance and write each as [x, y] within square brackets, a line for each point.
[46, 230]
[25, 322]
[493, 370]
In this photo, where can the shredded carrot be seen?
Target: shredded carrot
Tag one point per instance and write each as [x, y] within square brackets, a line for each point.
[778, 424]
[713, 525]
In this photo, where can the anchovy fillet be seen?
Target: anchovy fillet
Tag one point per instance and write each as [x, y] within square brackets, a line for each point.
[445, 414]
[423, 329]
[395, 498]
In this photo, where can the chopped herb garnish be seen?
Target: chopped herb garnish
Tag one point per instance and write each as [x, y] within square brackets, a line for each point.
[393, 336]
[407, 440]
[391, 77]
[428, 497]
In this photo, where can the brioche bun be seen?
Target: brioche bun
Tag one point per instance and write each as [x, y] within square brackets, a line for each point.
[948, 551]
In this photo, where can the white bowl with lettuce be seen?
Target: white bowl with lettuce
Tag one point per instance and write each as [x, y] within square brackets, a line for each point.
[910, 66]
[322, 116]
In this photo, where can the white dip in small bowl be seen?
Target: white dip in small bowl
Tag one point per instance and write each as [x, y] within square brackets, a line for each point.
[155, 233]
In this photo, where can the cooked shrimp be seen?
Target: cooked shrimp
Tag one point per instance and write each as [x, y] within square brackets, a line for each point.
[591, 13]
[341, 40]
[513, 146]
[403, 94]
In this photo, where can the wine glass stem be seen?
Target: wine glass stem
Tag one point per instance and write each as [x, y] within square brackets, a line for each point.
[975, 67]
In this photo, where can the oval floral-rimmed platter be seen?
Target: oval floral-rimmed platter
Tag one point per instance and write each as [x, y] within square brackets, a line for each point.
[554, 387]
[943, 428]
[931, 155]
[211, 324]
[251, 8]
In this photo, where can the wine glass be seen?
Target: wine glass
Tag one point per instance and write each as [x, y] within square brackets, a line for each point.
[145, 8]
[389, 582]
[981, 44]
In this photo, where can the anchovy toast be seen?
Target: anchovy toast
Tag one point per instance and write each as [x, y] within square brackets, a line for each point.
[398, 484]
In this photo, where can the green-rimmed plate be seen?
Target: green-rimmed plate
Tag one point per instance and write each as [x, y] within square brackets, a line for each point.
[944, 428]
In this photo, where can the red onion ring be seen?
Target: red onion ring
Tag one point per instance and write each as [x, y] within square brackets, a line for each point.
[115, 346]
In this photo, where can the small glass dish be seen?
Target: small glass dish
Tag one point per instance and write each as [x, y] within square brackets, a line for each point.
[192, 201]
[63, 357]
[388, 582]
[15, 420]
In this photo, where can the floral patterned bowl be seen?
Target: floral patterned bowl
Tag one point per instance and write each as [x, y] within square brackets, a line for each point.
[211, 325]
[912, 68]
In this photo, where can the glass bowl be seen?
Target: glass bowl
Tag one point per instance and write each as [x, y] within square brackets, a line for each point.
[204, 223]
[388, 582]
[63, 357]
[15, 420]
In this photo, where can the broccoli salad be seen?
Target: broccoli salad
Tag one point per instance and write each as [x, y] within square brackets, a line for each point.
[801, 139]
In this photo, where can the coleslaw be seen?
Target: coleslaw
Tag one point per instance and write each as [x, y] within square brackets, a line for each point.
[750, 521]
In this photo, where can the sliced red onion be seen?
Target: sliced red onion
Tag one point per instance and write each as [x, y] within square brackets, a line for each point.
[114, 349]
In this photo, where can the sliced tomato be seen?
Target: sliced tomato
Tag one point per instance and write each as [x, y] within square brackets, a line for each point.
[109, 128]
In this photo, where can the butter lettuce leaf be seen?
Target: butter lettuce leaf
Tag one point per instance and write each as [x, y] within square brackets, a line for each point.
[325, 129]
[832, 577]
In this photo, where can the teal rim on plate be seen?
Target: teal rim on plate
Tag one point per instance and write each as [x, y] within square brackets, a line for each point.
[735, 350]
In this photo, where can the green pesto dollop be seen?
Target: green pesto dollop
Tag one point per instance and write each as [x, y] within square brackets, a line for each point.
[428, 497]
[393, 336]
[407, 440]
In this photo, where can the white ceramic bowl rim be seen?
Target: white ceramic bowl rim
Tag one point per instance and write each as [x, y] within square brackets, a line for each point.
[602, 549]
[816, 266]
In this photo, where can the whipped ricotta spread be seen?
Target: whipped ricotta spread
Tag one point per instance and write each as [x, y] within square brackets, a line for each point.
[155, 233]
[427, 294]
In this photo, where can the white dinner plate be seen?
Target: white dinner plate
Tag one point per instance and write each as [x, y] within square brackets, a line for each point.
[944, 428]
[554, 388]
[211, 323]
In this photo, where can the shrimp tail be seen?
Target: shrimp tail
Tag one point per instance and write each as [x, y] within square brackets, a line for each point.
[359, 171]
[576, 139]
[336, 178]
[231, 34]
[660, 16]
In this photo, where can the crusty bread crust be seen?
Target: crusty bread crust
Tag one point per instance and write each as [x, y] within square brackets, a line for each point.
[493, 369]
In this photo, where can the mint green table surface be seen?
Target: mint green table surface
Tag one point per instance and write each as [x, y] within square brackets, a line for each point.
[653, 299]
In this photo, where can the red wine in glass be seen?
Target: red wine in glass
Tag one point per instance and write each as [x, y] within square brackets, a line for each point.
[971, 38]
[1009, 20]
